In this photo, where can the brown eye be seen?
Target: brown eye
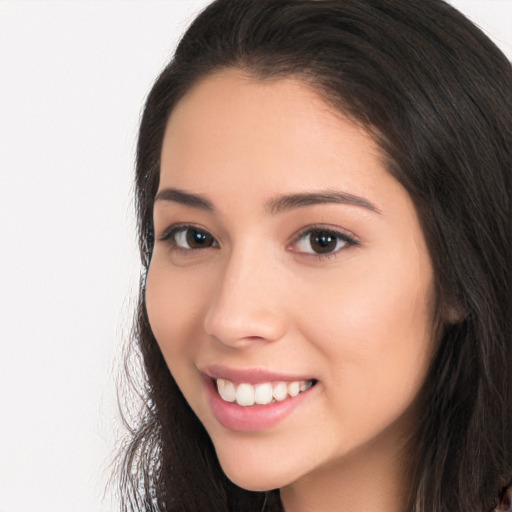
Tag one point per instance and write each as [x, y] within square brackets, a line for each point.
[192, 238]
[322, 241]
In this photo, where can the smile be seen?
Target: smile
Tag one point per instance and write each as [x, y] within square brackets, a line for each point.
[255, 399]
[263, 393]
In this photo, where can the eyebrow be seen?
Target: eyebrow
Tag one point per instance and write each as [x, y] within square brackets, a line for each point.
[289, 202]
[186, 198]
[275, 205]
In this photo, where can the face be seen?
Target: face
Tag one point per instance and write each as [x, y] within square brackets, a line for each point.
[290, 288]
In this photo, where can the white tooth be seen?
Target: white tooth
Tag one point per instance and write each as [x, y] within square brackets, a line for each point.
[304, 385]
[280, 391]
[245, 395]
[221, 387]
[263, 393]
[226, 389]
[293, 388]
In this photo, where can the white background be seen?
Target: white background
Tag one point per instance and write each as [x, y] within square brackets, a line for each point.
[74, 75]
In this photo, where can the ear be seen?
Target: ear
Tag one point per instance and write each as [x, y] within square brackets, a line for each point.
[453, 314]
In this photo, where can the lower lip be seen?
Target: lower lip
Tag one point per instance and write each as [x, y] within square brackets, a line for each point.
[256, 417]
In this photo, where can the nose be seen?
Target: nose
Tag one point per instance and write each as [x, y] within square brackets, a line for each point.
[248, 304]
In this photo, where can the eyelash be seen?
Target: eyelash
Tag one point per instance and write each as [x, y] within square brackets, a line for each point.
[340, 236]
[169, 236]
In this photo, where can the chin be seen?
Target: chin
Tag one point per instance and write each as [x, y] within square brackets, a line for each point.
[253, 481]
[255, 476]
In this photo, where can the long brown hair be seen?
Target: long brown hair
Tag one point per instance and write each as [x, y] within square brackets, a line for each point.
[435, 93]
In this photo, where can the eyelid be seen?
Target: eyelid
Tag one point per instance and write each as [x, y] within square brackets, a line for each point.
[169, 233]
[347, 237]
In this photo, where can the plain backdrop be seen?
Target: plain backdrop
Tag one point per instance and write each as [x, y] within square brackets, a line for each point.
[74, 75]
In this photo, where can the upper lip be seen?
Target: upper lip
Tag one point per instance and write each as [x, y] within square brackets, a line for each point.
[250, 375]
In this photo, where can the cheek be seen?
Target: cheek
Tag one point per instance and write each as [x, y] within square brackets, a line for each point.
[377, 334]
[369, 310]
[172, 304]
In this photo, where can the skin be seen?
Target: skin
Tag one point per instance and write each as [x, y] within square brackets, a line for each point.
[359, 319]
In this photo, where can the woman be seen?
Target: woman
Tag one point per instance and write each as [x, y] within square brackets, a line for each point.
[323, 193]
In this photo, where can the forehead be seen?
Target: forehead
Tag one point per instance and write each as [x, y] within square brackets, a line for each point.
[232, 125]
